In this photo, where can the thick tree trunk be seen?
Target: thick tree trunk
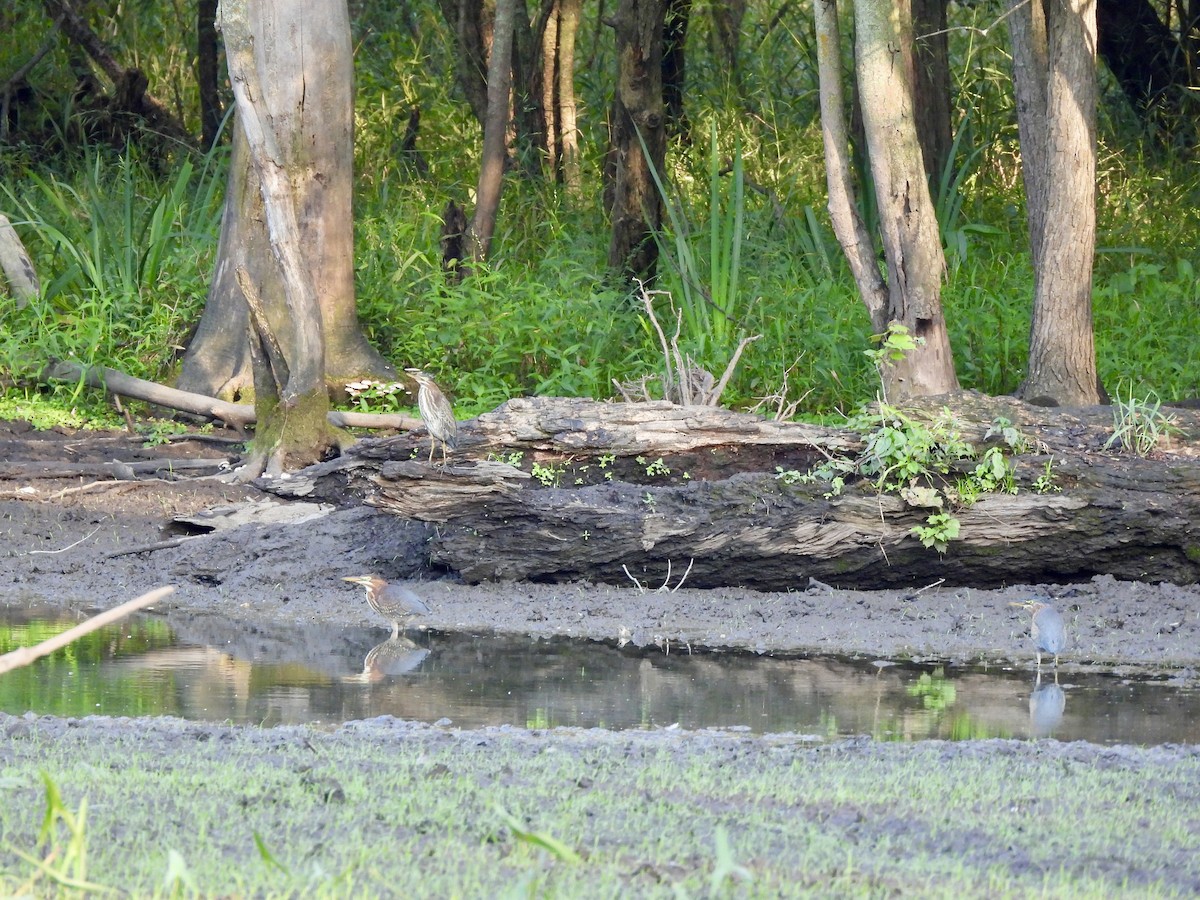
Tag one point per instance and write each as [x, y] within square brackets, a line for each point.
[311, 87]
[288, 65]
[1054, 69]
[911, 239]
[653, 491]
[637, 120]
[495, 133]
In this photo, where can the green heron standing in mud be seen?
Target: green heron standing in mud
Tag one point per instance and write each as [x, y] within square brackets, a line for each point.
[1047, 629]
[436, 413]
[393, 601]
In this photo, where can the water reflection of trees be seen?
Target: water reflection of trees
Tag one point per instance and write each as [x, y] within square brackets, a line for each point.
[323, 674]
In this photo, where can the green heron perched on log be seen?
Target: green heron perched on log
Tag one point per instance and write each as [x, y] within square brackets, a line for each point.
[393, 601]
[1047, 629]
[436, 413]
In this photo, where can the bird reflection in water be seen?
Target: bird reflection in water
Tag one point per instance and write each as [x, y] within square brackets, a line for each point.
[395, 656]
[1046, 706]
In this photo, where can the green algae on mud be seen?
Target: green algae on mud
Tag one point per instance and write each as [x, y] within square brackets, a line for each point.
[387, 808]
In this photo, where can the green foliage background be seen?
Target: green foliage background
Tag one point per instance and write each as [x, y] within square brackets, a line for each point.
[124, 238]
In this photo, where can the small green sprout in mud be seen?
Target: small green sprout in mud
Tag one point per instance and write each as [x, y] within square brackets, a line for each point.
[658, 467]
[552, 845]
[1047, 482]
[512, 458]
[549, 476]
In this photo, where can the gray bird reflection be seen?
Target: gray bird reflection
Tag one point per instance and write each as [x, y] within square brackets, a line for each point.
[395, 656]
[1046, 706]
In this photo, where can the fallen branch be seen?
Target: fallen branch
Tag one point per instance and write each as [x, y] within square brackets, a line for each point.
[236, 415]
[23, 656]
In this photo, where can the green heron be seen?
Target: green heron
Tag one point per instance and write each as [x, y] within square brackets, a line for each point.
[1047, 629]
[395, 602]
[436, 413]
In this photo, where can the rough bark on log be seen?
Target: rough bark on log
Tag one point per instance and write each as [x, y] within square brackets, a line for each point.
[649, 490]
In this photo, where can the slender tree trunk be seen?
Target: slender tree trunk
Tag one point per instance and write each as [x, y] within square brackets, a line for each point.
[495, 133]
[637, 119]
[530, 133]
[472, 29]
[567, 118]
[1054, 70]
[207, 71]
[550, 86]
[931, 85]
[911, 241]
[727, 19]
[848, 225]
[674, 66]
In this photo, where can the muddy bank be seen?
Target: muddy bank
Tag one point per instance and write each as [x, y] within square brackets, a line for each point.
[73, 549]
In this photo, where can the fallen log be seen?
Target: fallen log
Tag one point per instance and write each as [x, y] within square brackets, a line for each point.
[610, 492]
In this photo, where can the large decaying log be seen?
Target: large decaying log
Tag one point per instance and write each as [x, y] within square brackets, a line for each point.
[648, 491]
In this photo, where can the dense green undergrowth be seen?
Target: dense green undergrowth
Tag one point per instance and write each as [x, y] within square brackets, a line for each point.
[125, 245]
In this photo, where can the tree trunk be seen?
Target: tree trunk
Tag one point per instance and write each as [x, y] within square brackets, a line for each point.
[674, 67]
[530, 132]
[311, 104]
[1153, 68]
[637, 119]
[290, 66]
[931, 85]
[848, 224]
[1054, 71]
[472, 29]
[495, 133]
[727, 30]
[207, 72]
[911, 239]
[567, 117]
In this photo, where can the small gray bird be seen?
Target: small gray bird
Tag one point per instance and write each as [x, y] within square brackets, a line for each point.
[1047, 629]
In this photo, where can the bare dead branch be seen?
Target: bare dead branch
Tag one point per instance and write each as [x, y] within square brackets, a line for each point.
[26, 655]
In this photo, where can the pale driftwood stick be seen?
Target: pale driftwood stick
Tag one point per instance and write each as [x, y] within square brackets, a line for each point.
[26, 655]
[236, 414]
[121, 471]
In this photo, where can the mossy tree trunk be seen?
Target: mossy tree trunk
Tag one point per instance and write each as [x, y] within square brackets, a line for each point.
[307, 107]
[288, 63]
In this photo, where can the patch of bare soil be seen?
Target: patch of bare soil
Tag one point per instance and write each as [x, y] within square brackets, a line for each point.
[88, 542]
